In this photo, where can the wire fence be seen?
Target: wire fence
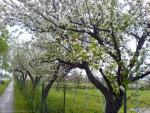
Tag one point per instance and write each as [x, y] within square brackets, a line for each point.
[70, 97]
[87, 99]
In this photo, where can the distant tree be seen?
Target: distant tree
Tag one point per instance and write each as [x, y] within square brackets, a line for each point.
[3, 45]
[36, 61]
[148, 81]
[19, 64]
[3, 48]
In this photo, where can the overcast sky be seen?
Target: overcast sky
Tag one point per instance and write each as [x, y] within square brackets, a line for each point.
[19, 33]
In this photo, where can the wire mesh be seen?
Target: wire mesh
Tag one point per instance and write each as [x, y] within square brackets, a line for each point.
[87, 99]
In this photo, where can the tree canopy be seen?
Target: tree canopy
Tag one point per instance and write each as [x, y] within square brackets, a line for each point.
[93, 35]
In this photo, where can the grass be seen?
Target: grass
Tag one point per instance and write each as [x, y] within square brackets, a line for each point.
[79, 101]
[90, 101]
[142, 96]
[20, 102]
[3, 86]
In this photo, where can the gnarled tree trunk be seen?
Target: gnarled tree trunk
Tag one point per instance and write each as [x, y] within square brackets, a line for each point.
[113, 103]
[113, 100]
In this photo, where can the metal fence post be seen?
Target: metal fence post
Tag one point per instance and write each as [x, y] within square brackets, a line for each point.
[137, 88]
[64, 104]
[125, 102]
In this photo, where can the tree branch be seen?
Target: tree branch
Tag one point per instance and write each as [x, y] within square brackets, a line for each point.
[138, 48]
[31, 77]
[93, 80]
[134, 35]
[106, 79]
[140, 77]
[73, 65]
[84, 65]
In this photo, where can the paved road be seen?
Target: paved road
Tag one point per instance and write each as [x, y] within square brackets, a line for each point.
[6, 100]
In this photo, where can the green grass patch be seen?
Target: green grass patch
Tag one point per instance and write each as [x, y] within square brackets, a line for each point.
[20, 102]
[91, 101]
[80, 100]
[3, 86]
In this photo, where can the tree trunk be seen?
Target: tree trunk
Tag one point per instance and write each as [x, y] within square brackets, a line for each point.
[113, 103]
[35, 80]
[58, 85]
[44, 105]
[45, 91]
[113, 100]
[23, 81]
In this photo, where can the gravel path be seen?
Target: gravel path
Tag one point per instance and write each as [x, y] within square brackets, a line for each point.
[6, 100]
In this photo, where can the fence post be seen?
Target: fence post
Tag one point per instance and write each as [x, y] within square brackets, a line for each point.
[137, 94]
[64, 104]
[42, 95]
[125, 102]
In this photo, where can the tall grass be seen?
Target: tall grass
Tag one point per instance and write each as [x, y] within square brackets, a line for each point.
[20, 102]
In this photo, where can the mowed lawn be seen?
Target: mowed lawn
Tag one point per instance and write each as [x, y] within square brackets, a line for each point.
[78, 100]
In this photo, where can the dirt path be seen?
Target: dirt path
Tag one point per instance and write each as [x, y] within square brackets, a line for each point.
[6, 100]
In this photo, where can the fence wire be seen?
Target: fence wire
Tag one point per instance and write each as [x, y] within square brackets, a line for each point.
[89, 100]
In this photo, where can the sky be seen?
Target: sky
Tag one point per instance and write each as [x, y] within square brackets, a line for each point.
[19, 33]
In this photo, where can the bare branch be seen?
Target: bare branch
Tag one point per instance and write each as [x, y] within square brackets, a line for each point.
[140, 77]
[138, 49]
[133, 34]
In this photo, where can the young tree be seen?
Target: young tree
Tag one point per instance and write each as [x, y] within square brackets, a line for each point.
[3, 46]
[36, 60]
[148, 82]
[35, 70]
[51, 70]
[96, 35]
[19, 64]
